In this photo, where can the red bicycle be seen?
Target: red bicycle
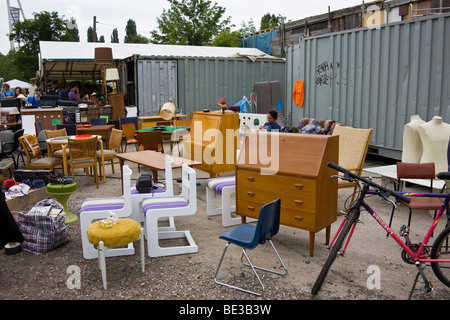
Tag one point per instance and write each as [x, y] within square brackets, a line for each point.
[418, 254]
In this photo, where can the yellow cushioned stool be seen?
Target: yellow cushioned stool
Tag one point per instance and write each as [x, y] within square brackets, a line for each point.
[120, 234]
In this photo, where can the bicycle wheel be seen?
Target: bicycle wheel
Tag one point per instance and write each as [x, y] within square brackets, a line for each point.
[441, 250]
[335, 249]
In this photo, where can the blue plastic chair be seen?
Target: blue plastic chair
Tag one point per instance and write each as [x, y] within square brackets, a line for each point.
[98, 121]
[249, 236]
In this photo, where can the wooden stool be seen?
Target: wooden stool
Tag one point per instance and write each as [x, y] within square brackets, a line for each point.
[62, 192]
[121, 234]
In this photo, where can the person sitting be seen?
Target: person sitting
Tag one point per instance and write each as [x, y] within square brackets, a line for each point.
[74, 93]
[37, 96]
[7, 92]
[271, 124]
[64, 93]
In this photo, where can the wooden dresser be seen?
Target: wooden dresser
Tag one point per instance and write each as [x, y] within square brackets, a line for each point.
[302, 181]
[210, 143]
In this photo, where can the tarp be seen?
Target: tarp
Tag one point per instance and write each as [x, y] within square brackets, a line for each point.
[17, 83]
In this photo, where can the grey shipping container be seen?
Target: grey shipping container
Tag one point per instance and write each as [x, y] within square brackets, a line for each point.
[374, 78]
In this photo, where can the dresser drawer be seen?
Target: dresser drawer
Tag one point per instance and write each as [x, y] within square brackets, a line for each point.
[288, 217]
[277, 182]
[288, 200]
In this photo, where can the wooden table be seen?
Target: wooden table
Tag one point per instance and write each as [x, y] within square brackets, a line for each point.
[153, 160]
[101, 130]
[63, 142]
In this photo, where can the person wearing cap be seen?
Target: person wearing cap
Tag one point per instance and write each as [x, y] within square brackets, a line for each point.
[7, 92]
[271, 124]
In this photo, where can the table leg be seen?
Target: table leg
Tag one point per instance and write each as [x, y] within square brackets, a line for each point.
[121, 171]
[66, 171]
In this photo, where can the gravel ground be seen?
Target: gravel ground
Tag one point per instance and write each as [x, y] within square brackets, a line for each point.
[190, 277]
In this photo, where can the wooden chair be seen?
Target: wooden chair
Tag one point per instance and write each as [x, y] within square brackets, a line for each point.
[353, 146]
[32, 151]
[55, 150]
[83, 154]
[129, 131]
[150, 140]
[115, 142]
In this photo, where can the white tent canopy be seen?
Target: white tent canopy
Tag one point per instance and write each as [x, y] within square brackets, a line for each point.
[75, 60]
[17, 83]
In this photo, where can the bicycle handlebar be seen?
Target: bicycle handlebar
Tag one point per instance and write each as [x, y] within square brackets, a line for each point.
[386, 192]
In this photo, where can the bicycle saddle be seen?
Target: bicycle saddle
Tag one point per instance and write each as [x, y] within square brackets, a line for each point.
[443, 175]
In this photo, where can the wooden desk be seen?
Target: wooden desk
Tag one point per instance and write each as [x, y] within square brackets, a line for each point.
[104, 131]
[153, 121]
[301, 180]
[152, 159]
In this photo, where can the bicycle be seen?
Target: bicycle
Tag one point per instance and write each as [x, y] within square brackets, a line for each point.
[418, 254]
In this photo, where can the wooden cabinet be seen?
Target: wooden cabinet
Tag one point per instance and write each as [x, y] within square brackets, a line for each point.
[298, 175]
[49, 118]
[213, 141]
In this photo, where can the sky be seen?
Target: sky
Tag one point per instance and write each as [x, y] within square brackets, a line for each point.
[112, 14]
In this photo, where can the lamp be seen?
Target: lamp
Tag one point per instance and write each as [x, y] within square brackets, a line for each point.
[112, 74]
[168, 111]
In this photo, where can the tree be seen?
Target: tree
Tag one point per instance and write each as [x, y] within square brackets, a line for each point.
[45, 26]
[115, 36]
[227, 39]
[269, 21]
[130, 31]
[190, 22]
[72, 33]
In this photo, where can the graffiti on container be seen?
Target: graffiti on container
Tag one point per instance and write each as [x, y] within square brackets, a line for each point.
[327, 72]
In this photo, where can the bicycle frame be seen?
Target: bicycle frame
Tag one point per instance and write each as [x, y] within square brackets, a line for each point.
[418, 256]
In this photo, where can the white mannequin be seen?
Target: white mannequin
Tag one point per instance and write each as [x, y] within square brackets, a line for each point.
[435, 136]
[412, 143]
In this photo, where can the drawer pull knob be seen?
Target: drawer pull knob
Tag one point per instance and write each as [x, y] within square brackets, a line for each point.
[298, 202]
[251, 179]
[299, 186]
[251, 208]
[298, 218]
[250, 194]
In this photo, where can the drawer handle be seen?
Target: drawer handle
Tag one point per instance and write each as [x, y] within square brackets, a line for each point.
[298, 218]
[250, 194]
[251, 208]
[298, 202]
[251, 179]
[299, 186]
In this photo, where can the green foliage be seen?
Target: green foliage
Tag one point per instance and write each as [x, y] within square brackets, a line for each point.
[115, 36]
[269, 21]
[131, 35]
[190, 22]
[45, 26]
[9, 69]
[227, 39]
